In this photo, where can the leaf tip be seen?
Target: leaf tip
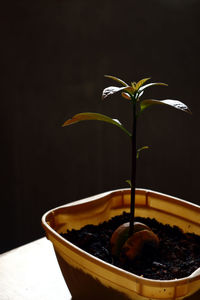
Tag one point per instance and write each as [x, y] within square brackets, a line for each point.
[66, 123]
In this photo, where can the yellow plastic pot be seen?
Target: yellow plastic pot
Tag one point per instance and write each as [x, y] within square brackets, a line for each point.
[88, 277]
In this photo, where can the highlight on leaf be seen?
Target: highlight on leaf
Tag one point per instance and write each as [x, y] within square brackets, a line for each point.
[115, 89]
[87, 116]
[174, 103]
[111, 90]
[144, 87]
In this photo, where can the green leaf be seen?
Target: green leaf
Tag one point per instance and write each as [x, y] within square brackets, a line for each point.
[133, 84]
[140, 149]
[141, 82]
[142, 88]
[174, 103]
[117, 79]
[97, 117]
[129, 182]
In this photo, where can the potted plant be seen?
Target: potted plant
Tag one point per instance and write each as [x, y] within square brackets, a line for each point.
[95, 278]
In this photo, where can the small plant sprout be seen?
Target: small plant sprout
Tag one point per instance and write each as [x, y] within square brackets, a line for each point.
[129, 239]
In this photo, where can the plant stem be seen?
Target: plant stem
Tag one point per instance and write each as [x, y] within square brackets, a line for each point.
[133, 169]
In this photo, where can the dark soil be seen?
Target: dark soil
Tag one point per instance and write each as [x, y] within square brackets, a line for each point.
[178, 254]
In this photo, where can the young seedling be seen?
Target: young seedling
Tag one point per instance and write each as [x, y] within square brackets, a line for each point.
[130, 237]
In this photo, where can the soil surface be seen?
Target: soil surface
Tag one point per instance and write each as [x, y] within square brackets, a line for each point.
[177, 256]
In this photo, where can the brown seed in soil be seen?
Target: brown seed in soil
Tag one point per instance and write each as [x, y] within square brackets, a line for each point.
[120, 237]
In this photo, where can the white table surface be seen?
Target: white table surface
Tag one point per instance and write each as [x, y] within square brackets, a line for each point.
[31, 272]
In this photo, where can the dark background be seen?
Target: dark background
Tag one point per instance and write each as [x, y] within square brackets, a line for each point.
[55, 54]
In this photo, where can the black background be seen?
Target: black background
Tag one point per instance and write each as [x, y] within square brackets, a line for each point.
[54, 56]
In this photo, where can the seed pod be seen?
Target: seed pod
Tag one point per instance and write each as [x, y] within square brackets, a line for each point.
[121, 235]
